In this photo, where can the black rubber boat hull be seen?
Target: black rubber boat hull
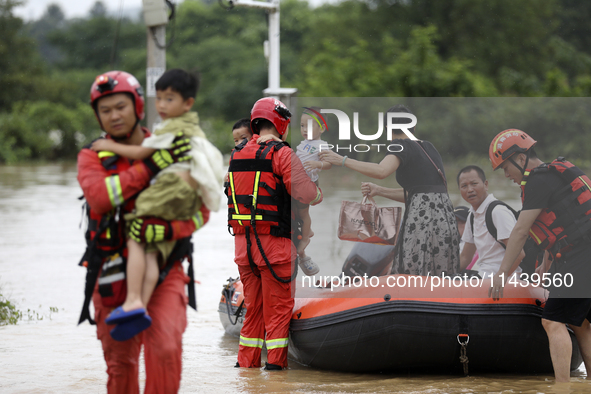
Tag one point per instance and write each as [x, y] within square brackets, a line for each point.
[416, 335]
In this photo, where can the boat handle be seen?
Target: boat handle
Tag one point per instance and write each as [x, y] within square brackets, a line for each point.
[466, 337]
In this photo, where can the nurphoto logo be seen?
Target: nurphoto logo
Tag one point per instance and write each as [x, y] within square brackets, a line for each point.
[344, 129]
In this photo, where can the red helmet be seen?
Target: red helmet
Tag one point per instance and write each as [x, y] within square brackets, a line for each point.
[118, 82]
[274, 111]
[506, 144]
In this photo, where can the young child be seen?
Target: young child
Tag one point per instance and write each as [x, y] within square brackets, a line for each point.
[241, 131]
[312, 125]
[178, 192]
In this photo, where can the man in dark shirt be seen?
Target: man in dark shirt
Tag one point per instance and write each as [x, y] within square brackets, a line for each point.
[542, 186]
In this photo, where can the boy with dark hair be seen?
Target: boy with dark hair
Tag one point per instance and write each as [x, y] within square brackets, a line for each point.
[180, 81]
[178, 193]
[241, 131]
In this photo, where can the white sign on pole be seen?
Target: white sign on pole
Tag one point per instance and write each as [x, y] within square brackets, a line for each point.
[152, 75]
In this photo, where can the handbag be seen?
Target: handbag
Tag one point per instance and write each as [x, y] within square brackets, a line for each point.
[366, 222]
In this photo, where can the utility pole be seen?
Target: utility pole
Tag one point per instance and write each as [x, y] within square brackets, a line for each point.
[156, 18]
[272, 52]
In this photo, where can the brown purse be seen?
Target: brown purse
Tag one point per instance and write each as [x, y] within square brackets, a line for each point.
[366, 222]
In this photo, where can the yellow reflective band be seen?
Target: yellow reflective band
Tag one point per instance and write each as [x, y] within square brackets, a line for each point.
[108, 233]
[318, 195]
[251, 342]
[582, 180]
[255, 191]
[198, 220]
[114, 190]
[103, 154]
[534, 235]
[277, 343]
[231, 178]
[525, 175]
[247, 217]
[498, 138]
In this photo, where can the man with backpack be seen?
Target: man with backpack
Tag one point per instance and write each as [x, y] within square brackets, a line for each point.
[488, 225]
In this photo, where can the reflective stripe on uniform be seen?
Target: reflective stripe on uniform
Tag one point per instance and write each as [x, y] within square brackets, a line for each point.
[114, 189]
[251, 342]
[277, 343]
[114, 262]
[103, 154]
[246, 217]
[111, 278]
[525, 175]
[255, 191]
[236, 209]
[582, 180]
[318, 195]
[538, 240]
[198, 220]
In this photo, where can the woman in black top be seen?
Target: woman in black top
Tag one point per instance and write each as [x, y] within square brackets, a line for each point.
[429, 241]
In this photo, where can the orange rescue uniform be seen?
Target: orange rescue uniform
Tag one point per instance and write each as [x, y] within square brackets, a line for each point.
[106, 188]
[269, 303]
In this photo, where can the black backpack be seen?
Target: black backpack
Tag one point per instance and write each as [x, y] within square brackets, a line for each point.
[533, 254]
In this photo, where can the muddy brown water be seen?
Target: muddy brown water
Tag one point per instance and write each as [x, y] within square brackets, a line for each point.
[46, 352]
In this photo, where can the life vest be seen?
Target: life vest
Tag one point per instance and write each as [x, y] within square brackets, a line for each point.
[113, 237]
[256, 196]
[105, 256]
[568, 220]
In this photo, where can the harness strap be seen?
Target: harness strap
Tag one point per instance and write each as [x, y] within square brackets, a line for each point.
[183, 248]
[246, 199]
[94, 261]
[253, 266]
[260, 246]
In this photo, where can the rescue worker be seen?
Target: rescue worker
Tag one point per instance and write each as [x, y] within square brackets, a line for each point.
[110, 184]
[262, 180]
[557, 215]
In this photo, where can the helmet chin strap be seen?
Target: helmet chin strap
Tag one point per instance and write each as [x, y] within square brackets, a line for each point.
[522, 169]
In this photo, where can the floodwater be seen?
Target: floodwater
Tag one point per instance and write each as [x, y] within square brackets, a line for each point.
[46, 352]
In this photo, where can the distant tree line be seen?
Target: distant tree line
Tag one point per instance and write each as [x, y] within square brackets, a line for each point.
[369, 48]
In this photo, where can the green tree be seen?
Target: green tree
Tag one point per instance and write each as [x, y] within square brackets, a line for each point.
[44, 130]
[88, 43]
[20, 63]
[53, 18]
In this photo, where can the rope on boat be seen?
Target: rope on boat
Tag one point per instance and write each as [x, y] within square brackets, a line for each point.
[227, 293]
[463, 357]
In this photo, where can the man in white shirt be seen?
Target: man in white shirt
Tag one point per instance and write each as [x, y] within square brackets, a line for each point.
[477, 236]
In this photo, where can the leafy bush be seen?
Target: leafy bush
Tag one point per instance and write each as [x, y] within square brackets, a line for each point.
[8, 313]
[45, 131]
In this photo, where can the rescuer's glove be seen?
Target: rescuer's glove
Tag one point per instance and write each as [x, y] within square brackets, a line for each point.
[178, 152]
[150, 230]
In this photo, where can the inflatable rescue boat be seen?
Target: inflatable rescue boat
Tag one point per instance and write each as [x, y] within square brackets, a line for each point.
[404, 322]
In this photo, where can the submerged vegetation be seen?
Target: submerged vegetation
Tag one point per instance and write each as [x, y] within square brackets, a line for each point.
[354, 48]
[8, 313]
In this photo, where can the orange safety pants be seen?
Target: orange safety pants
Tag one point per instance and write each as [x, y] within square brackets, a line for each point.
[162, 341]
[269, 303]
